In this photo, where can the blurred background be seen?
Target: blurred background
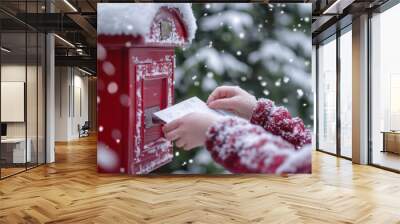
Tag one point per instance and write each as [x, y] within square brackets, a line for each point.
[263, 48]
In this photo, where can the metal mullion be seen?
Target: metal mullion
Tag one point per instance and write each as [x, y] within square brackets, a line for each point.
[317, 96]
[26, 87]
[45, 96]
[369, 79]
[333, 154]
[37, 91]
[73, 92]
[45, 89]
[385, 168]
[338, 98]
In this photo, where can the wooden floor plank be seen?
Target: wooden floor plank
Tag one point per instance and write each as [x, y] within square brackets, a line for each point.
[71, 191]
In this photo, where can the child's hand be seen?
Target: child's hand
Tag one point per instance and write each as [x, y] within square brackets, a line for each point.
[233, 99]
[189, 131]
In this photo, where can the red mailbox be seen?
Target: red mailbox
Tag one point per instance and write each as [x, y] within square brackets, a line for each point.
[135, 66]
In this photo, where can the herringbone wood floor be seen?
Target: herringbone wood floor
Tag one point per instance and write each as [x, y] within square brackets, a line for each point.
[70, 191]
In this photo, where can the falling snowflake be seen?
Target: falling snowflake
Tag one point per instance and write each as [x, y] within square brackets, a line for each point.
[266, 92]
[107, 159]
[278, 83]
[264, 83]
[125, 100]
[128, 44]
[286, 79]
[101, 52]
[300, 93]
[112, 87]
[238, 53]
[108, 68]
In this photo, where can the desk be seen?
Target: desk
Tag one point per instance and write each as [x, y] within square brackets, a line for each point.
[13, 150]
[391, 141]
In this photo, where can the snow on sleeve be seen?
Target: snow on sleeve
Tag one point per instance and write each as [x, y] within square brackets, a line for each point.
[278, 121]
[242, 147]
[136, 18]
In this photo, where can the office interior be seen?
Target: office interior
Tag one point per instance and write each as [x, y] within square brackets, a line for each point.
[48, 80]
[48, 107]
[356, 78]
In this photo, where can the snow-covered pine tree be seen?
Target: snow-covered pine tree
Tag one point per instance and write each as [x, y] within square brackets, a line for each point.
[263, 48]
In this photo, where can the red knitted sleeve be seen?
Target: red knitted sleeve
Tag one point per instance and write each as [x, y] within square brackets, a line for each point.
[278, 121]
[242, 147]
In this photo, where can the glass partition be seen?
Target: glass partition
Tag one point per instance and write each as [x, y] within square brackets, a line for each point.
[13, 108]
[41, 109]
[31, 99]
[346, 94]
[327, 96]
[385, 89]
[22, 88]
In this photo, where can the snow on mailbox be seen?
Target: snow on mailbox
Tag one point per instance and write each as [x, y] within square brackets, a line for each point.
[135, 65]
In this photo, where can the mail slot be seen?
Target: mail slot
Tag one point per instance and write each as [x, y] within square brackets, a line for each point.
[135, 80]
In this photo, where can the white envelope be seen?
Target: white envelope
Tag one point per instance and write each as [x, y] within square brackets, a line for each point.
[185, 107]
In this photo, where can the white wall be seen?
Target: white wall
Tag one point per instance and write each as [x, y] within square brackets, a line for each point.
[61, 103]
[12, 73]
[71, 93]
